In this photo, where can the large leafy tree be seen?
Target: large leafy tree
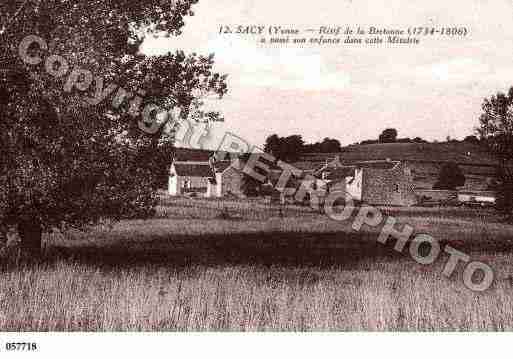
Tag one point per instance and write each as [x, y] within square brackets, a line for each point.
[388, 136]
[496, 131]
[273, 145]
[67, 159]
[450, 177]
[287, 149]
[328, 145]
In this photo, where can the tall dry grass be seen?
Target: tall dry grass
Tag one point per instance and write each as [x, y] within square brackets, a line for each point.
[298, 272]
[388, 295]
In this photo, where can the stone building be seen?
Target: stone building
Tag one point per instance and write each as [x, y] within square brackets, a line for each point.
[229, 177]
[387, 183]
[381, 182]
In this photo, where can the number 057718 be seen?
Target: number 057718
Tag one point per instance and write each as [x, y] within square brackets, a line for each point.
[22, 347]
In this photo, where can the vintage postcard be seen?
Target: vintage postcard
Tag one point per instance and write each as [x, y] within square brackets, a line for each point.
[255, 166]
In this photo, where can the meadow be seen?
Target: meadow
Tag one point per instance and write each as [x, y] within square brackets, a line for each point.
[204, 265]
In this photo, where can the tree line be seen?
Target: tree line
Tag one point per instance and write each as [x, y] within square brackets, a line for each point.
[390, 135]
[290, 148]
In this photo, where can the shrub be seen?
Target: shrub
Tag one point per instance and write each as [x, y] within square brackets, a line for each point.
[450, 177]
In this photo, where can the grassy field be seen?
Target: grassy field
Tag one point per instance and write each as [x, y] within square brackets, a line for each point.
[193, 268]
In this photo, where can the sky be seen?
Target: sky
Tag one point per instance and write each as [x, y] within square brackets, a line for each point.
[352, 92]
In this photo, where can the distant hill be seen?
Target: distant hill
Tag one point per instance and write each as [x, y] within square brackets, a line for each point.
[425, 160]
[460, 152]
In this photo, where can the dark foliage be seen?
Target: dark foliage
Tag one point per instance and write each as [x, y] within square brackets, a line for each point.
[67, 163]
[388, 136]
[450, 177]
[289, 148]
[496, 132]
[250, 187]
[472, 139]
[328, 145]
[419, 140]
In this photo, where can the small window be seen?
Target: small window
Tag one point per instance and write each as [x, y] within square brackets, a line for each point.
[397, 188]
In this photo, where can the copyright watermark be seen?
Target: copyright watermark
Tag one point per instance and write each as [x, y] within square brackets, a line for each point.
[151, 116]
[422, 248]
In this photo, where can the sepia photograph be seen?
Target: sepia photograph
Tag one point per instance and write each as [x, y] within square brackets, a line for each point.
[185, 166]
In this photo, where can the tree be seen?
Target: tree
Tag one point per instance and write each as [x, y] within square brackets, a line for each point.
[68, 163]
[450, 177]
[471, 139]
[388, 136]
[287, 149]
[273, 145]
[292, 147]
[496, 132]
[330, 145]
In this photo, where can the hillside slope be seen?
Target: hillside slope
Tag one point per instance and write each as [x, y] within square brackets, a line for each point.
[460, 152]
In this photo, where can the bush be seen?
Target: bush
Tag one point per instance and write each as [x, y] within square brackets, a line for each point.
[450, 177]
[504, 202]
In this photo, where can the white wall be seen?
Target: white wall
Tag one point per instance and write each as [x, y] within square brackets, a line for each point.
[173, 185]
[355, 188]
[219, 186]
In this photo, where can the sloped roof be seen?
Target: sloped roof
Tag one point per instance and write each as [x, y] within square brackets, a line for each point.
[193, 170]
[335, 170]
[339, 173]
[197, 155]
[221, 166]
[307, 165]
[385, 165]
[192, 155]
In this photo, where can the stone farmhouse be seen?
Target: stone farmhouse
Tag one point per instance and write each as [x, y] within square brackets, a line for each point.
[379, 182]
[186, 177]
[200, 173]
